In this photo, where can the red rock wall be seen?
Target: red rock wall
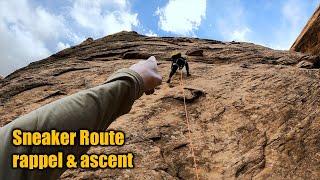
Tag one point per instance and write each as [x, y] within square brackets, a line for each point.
[309, 39]
[258, 118]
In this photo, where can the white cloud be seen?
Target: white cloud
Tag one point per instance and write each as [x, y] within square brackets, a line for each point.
[62, 46]
[103, 17]
[29, 32]
[240, 34]
[232, 24]
[26, 33]
[181, 17]
[18, 48]
[294, 17]
[151, 34]
[294, 12]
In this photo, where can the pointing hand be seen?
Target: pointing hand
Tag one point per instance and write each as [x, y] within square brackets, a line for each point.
[148, 70]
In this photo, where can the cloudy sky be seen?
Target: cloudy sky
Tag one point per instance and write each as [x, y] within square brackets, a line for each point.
[34, 29]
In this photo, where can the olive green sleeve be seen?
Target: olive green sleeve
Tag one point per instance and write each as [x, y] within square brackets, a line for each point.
[92, 109]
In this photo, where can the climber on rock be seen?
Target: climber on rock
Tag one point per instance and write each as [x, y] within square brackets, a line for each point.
[92, 109]
[178, 62]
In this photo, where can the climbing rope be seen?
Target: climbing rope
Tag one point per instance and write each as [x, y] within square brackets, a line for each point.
[189, 128]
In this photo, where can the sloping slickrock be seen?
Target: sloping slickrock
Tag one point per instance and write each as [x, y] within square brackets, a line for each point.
[254, 111]
[195, 52]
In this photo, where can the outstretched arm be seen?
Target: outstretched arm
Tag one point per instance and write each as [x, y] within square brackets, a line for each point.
[92, 109]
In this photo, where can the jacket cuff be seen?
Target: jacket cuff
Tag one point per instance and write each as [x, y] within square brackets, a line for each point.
[125, 73]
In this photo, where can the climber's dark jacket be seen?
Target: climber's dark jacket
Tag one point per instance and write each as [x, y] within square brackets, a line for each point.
[180, 62]
[92, 109]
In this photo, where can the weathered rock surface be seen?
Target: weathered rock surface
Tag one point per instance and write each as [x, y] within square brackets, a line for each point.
[309, 39]
[195, 52]
[255, 113]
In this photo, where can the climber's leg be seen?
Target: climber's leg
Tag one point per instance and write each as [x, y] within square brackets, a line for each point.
[174, 69]
[187, 68]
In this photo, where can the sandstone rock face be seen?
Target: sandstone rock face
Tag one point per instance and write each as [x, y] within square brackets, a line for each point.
[87, 41]
[309, 39]
[195, 52]
[254, 112]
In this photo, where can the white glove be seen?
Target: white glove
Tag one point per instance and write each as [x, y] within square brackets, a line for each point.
[148, 70]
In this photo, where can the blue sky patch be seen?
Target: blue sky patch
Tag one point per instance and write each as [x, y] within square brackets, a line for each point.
[34, 29]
